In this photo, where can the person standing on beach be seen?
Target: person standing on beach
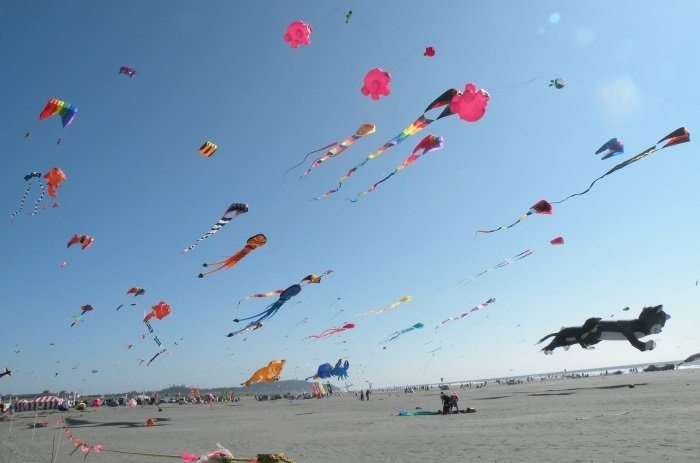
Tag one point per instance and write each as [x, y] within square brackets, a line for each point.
[367, 394]
[362, 395]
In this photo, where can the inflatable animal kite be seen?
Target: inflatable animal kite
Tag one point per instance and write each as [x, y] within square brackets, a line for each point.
[326, 370]
[67, 111]
[54, 178]
[428, 144]
[268, 374]
[253, 243]
[131, 72]
[376, 83]
[160, 311]
[471, 104]
[85, 241]
[650, 321]
[298, 33]
[612, 147]
[237, 208]
[207, 149]
[558, 83]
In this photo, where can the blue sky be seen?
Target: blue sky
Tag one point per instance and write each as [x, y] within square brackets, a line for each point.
[220, 71]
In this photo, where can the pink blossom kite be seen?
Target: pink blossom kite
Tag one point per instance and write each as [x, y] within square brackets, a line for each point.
[298, 33]
[470, 105]
[376, 83]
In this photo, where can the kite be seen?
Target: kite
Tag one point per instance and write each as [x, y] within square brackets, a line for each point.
[54, 178]
[612, 147]
[419, 124]
[558, 83]
[483, 305]
[238, 208]
[650, 321]
[85, 309]
[131, 72]
[365, 129]
[7, 372]
[331, 332]
[326, 370]
[253, 242]
[678, 136]
[559, 240]
[304, 281]
[376, 83]
[207, 149]
[268, 374]
[391, 306]
[428, 144]
[122, 305]
[269, 311]
[540, 207]
[506, 262]
[160, 311]
[67, 111]
[136, 291]
[471, 104]
[298, 33]
[28, 178]
[690, 359]
[348, 15]
[396, 334]
[429, 52]
[85, 241]
[28, 134]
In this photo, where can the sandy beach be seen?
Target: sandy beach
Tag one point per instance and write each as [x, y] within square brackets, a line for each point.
[595, 419]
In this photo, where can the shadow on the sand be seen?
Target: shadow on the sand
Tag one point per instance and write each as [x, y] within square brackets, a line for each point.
[550, 392]
[74, 423]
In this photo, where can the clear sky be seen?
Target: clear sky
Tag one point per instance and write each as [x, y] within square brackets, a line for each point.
[220, 71]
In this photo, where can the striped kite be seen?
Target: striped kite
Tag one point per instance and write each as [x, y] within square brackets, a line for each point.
[67, 111]
[207, 149]
[483, 305]
[131, 72]
[28, 178]
[238, 208]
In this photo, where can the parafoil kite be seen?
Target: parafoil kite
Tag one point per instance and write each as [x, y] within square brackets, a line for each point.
[559, 240]
[483, 305]
[67, 111]
[298, 33]
[85, 309]
[471, 104]
[136, 291]
[85, 241]
[348, 15]
[419, 124]
[391, 306]
[131, 72]
[269, 311]
[338, 148]
[207, 149]
[160, 311]
[331, 332]
[267, 374]
[558, 83]
[54, 178]
[612, 147]
[429, 51]
[428, 144]
[396, 334]
[253, 242]
[28, 178]
[376, 83]
[678, 136]
[237, 208]
[541, 207]
[304, 281]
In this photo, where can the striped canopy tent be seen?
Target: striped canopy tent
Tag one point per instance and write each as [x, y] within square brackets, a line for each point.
[48, 402]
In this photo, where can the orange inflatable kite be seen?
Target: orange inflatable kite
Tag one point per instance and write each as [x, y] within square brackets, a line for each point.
[268, 374]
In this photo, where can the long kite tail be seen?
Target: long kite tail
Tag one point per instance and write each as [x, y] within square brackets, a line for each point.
[504, 227]
[265, 314]
[28, 178]
[228, 263]
[335, 143]
[364, 129]
[215, 228]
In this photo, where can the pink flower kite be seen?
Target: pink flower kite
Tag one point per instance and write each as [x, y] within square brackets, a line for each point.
[470, 105]
[376, 83]
[298, 33]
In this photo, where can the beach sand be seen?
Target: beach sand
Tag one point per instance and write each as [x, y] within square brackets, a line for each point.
[595, 419]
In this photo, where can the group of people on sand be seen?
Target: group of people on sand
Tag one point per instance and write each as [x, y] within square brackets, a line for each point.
[362, 395]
